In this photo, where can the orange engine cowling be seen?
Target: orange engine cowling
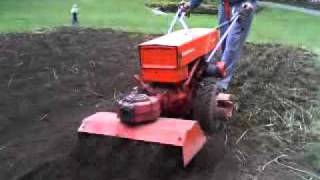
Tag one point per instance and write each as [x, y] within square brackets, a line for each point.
[166, 59]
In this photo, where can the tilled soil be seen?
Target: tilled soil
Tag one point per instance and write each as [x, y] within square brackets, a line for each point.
[51, 81]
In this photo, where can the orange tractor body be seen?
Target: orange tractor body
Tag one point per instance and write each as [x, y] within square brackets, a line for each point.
[170, 72]
[166, 59]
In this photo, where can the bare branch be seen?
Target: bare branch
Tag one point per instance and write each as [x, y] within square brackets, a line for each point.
[55, 74]
[94, 93]
[243, 134]
[44, 117]
[10, 80]
[273, 160]
[226, 138]
[301, 176]
[298, 170]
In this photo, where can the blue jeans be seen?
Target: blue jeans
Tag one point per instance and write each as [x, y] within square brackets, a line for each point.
[75, 19]
[231, 47]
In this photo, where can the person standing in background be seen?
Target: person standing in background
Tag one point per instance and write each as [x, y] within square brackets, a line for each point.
[74, 12]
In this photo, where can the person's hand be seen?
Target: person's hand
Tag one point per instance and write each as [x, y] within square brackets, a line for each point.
[186, 7]
[248, 6]
[246, 10]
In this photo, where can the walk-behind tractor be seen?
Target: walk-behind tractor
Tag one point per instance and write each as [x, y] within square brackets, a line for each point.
[172, 86]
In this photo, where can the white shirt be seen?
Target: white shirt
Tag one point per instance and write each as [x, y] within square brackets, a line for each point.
[74, 9]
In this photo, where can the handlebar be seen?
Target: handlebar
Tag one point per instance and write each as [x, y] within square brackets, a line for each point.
[180, 15]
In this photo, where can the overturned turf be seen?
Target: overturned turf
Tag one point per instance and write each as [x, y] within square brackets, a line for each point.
[52, 80]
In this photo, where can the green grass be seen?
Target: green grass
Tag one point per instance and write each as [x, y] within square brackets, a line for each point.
[279, 26]
[274, 25]
[271, 25]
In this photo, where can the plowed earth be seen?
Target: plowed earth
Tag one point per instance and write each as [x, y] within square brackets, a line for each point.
[51, 81]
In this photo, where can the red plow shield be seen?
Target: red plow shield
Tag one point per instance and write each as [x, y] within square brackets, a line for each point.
[186, 134]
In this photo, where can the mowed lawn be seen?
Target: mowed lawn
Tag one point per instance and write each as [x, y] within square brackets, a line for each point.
[271, 25]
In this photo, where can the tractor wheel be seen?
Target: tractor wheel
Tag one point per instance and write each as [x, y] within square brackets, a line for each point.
[204, 106]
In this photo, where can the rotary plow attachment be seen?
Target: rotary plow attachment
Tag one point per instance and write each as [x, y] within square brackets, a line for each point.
[183, 134]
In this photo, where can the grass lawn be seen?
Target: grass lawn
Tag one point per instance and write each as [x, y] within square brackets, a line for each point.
[272, 25]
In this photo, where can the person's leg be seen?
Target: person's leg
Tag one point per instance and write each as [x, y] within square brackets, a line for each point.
[234, 43]
[76, 19]
[73, 18]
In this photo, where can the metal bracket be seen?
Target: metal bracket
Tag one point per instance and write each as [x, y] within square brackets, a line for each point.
[233, 20]
[179, 16]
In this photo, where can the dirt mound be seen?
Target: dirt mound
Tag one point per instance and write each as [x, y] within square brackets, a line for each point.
[52, 80]
[282, 81]
[41, 71]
